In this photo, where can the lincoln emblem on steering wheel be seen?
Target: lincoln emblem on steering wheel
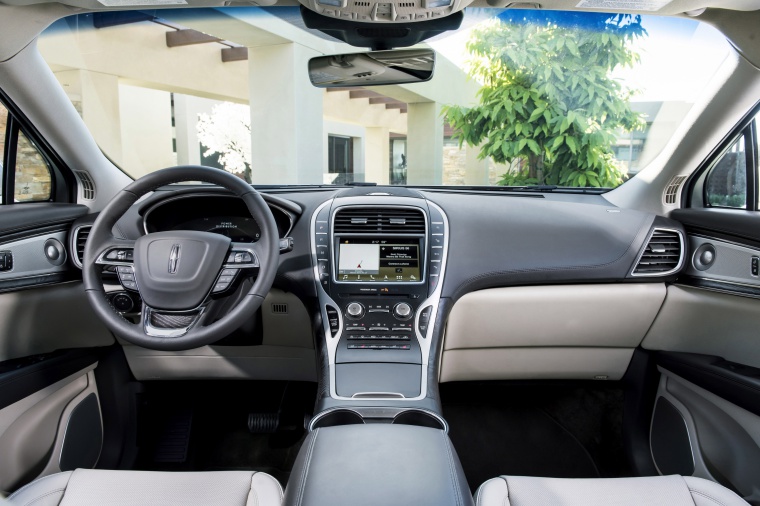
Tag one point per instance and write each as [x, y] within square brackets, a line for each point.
[174, 259]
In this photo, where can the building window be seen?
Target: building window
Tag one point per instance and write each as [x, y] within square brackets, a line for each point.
[340, 158]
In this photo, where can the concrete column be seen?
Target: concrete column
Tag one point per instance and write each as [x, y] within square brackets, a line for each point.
[425, 144]
[186, 129]
[476, 171]
[286, 116]
[377, 151]
[146, 129]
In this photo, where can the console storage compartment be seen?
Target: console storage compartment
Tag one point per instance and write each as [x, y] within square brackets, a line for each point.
[377, 465]
[364, 380]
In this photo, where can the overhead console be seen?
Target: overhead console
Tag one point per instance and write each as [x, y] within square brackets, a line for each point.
[379, 261]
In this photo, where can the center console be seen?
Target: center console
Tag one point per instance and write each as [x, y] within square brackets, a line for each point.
[379, 262]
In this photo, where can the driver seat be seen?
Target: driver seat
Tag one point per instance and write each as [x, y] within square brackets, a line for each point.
[86, 487]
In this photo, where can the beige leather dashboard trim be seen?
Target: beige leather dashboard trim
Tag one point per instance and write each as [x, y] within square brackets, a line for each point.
[613, 315]
[694, 320]
[535, 363]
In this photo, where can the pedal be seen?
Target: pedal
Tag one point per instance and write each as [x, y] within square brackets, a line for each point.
[263, 423]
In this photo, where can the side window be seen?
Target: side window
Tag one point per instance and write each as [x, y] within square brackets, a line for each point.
[34, 180]
[726, 183]
[26, 174]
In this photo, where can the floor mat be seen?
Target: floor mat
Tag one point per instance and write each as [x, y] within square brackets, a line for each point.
[553, 431]
[217, 415]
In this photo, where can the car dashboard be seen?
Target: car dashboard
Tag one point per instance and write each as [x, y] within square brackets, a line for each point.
[383, 292]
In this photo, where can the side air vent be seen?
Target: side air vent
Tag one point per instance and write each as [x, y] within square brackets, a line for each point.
[80, 239]
[373, 220]
[671, 191]
[87, 185]
[663, 254]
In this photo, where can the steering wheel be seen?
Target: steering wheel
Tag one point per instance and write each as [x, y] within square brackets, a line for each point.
[178, 274]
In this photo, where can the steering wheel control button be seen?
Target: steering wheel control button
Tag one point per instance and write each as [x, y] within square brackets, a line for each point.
[355, 310]
[129, 285]
[242, 259]
[402, 311]
[121, 255]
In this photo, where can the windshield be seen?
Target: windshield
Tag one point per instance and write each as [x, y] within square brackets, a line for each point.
[517, 98]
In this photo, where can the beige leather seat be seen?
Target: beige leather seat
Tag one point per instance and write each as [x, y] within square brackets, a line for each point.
[652, 491]
[85, 487]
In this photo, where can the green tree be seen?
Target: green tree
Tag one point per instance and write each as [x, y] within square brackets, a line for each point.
[548, 98]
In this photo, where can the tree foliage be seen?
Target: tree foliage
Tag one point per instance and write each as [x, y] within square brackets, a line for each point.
[548, 98]
[227, 132]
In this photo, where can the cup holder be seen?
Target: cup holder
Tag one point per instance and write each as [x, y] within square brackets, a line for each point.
[337, 417]
[421, 419]
[400, 416]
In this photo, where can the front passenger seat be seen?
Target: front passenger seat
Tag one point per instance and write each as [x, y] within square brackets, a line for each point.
[649, 491]
[86, 487]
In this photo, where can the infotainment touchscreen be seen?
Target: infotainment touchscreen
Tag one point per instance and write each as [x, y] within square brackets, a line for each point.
[379, 260]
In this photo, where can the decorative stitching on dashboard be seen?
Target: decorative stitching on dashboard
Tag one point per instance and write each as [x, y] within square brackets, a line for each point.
[452, 470]
[305, 472]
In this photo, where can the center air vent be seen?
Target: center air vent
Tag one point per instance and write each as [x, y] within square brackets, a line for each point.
[363, 220]
[662, 255]
[80, 239]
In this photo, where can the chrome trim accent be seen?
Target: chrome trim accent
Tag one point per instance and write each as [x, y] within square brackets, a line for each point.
[158, 204]
[152, 331]
[681, 258]
[325, 299]
[378, 395]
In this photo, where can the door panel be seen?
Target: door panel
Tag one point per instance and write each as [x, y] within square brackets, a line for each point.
[709, 350]
[49, 337]
[33, 430]
[724, 438]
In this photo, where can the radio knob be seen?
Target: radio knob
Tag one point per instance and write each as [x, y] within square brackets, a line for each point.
[355, 310]
[402, 311]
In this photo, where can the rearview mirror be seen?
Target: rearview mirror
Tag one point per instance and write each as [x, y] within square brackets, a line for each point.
[373, 68]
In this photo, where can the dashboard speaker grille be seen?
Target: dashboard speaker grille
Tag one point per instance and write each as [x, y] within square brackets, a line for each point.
[87, 185]
[662, 254]
[373, 220]
[80, 240]
[671, 191]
